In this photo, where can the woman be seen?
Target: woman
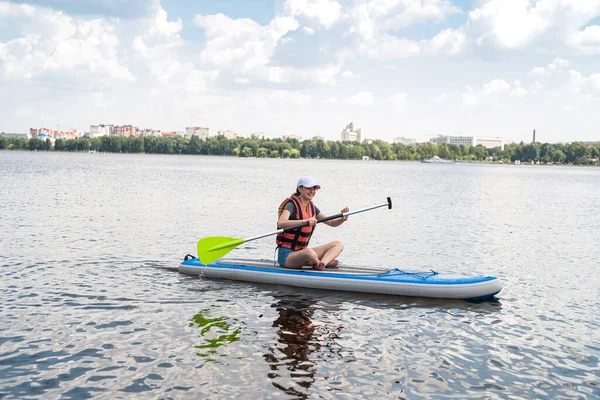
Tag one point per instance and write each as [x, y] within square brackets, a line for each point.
[293, 245]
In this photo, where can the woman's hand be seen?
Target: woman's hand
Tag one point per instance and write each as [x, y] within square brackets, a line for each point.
[311, 221]
[345, 210]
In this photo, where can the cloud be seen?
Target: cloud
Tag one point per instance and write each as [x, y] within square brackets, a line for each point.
[350, 75]
[98, 8]
[587, 41]
[324, 12]
[241, 44]
[377, 25]
[375, 17]
[555, 66]
[520, 24]
[495, 86]
[582, 85]
[469, 97]
[362, 98]
[442, 97]
[52, 41]
[448, 41]
[518, 90]
[492, 90]
[399, 100]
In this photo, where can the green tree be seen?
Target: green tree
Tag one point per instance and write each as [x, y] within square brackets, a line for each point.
[262, 152]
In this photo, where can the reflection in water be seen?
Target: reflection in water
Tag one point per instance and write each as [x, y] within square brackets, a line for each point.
[298, 344]
[310, 344]
[215, 333]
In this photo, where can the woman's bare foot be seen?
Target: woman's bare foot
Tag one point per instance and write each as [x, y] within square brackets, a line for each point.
[333, 263]
[320, 266]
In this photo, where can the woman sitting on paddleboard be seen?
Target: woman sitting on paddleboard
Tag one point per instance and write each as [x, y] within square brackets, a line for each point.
[293, 245]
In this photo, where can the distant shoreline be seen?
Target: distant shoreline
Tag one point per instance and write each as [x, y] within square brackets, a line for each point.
[576, 153]
[525, 164]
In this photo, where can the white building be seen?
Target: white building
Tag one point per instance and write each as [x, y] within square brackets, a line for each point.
[228, 134]
[489, 143]
[202, 133]
[352, 133]
[101, 130]
[405, 141]
[149, 132]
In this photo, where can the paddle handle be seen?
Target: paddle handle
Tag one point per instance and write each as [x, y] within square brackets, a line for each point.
[336, 216]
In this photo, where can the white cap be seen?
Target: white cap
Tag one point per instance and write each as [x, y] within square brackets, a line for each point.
[307, 182]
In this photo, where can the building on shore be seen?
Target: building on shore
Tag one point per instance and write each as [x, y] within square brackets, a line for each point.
[227, 134]
[100, 130]
[192, 131]
[405, 141]
[489, 143]
[124, 130]
[16, 135]
[45, 133]
[149, 132]
[352, 133]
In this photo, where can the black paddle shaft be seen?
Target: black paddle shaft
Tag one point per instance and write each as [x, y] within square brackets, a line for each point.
[341, 215]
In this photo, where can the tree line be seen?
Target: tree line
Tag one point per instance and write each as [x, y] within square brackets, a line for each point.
[576, 152]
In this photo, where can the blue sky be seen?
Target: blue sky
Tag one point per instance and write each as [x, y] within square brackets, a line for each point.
[410, 68]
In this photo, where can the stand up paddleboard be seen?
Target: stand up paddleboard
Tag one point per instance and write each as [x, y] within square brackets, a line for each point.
[392, 281]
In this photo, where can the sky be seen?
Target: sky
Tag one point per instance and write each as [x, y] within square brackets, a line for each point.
[396, 68]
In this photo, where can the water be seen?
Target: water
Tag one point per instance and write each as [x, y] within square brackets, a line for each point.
[92, 304]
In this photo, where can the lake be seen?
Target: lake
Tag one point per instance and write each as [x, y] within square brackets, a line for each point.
[92, 304]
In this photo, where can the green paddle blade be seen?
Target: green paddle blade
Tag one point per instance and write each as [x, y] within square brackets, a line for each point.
[212, 248]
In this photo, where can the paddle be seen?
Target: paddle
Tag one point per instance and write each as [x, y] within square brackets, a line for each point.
[214, 247]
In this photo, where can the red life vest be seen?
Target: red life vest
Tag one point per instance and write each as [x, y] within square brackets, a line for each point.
[297, 239]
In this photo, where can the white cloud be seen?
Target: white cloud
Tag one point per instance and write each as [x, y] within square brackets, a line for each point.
[495, 86]
[8, 9]
[555, 66]
[53, 41]
[442, 97]
[373, 17]
[375, 22]
[510, 23]
[448, 41]
[517, 24]
[587, 40]
[163, 26]
[411, 12]
[301, 68]
[363, 98]
[469, 97]
[389, 47]
[399, 100]
[325, 12]
[241, 43]
[518, 90]
[580, 84]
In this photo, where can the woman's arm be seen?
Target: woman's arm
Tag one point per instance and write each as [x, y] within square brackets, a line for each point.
[334, 222]
[284, 220]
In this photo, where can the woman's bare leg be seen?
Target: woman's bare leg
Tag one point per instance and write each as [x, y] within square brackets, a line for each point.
[327, 254]
[298, 259]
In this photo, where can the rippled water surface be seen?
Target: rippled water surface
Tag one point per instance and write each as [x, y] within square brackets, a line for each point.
[92, 304]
